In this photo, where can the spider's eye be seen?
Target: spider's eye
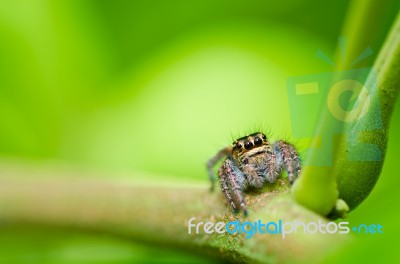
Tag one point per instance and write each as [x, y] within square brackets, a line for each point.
[257, 141]
[248, 145]
[238, 145]
[264, 136]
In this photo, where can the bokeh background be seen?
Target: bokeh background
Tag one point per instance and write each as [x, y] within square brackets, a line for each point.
[158, 87]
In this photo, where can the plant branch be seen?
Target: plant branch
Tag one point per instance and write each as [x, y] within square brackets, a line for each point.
[360, 152]
[160, 214]
[362, 149]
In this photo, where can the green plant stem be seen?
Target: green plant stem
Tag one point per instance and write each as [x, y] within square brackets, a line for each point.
[359, 30]
[356, 178]
[319, 187]
[159, 214]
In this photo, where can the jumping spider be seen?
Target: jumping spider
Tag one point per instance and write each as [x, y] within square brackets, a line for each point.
[250, 162]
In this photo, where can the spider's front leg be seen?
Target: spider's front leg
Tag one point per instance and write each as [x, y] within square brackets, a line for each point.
[214, 160]
[252, 176]
[290, 158]
[274, 168]
[231, 179]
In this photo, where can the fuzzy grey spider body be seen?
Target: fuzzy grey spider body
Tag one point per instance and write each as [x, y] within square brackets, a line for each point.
[252, 161]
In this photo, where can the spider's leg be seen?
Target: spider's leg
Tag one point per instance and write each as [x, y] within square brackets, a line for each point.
[290, 159]
[233, 176]
[296, 159]
[211, 163]
[274, 168]
[252, 176]
[223, 180]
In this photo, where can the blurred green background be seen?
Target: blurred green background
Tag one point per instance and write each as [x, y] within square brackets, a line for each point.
[129, 86]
